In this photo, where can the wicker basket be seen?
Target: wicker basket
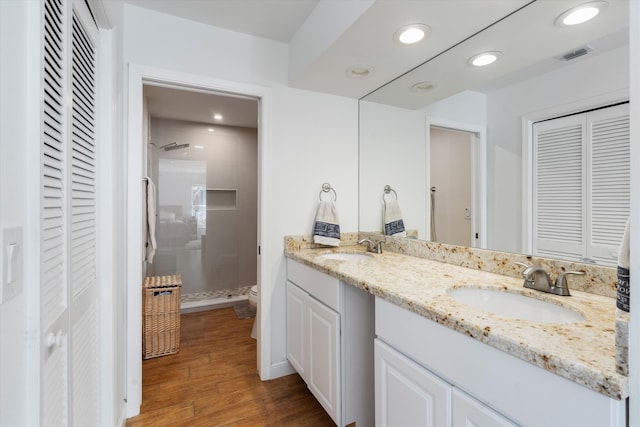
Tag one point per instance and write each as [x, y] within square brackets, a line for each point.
[161, 315]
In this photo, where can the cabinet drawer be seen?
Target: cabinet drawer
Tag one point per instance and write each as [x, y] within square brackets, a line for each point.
[321, 286]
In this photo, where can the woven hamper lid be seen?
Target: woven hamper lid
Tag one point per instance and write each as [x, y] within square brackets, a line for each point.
[162, 281]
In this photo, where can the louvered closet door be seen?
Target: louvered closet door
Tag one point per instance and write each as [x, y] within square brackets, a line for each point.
[69, 366]
[559, 188]
[610, 181]
[582, 185]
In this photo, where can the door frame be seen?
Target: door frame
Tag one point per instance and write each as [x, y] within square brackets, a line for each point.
[134, 150]
[478, 175]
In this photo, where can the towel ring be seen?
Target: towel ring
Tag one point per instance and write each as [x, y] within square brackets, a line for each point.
[387, 190]
[327, 188]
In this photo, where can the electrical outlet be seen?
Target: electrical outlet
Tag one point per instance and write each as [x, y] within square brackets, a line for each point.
[12, 250]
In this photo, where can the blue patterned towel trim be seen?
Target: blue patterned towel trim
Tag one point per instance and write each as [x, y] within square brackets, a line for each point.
[394, 227]
[326, 229]
[623, 299]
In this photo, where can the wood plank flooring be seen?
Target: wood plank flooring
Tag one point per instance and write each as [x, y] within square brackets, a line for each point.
[213, 381]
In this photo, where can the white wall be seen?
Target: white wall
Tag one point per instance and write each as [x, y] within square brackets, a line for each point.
[634, 327]
[14, 144]
[466, 107]
[393, 152]
[314, 137]
[112, 186]
[587, 80]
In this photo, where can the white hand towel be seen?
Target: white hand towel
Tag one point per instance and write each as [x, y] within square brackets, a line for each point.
[623, 288]
[326, 229]
[393, 223]
[151, 221]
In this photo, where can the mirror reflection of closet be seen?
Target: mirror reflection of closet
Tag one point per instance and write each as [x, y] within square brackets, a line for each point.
[530, 82]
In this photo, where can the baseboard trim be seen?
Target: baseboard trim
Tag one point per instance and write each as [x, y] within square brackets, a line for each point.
[211, 304]
[281, 369]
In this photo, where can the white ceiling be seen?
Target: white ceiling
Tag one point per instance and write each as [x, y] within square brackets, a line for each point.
[271, 19]
[326, 46]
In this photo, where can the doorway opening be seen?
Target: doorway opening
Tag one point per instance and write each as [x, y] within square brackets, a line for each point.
[202, 155]
[139, 76]
[456, 182]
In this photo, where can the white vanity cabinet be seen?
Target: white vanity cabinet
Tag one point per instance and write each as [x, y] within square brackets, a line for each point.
[468, 411]
[330, 333]
[428, 374]
[407, 394]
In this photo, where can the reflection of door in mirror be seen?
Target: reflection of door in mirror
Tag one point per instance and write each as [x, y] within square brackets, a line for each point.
[581, 186]
[450, 184]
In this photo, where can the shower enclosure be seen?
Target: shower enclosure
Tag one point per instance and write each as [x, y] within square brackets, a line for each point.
[206, 228]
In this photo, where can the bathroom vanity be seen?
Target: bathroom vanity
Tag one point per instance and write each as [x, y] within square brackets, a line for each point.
[442, 362]
[330, 333]
[462, 380]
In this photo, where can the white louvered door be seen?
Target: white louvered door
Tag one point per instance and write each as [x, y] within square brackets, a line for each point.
[559, 187]
[69, 328]
[54, 377]
[581, 185]
[610, 185]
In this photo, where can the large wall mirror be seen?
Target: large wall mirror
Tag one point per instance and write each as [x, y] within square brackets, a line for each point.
[463, 146]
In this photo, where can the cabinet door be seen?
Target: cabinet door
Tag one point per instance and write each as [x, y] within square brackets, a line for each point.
[407, 394]
[296, 328]
[467, 411]
[323, 369]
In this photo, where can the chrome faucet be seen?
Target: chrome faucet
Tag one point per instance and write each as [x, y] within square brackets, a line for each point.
[371, 246]
[537, 278]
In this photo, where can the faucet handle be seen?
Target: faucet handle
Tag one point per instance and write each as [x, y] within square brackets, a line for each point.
[561, 282]
[525, 265]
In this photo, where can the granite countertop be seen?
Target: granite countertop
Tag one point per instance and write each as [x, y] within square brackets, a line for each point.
[582, 352]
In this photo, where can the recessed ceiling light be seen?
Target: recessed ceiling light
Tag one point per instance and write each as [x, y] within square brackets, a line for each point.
[210, 130]
[412, 33]
[484, 58]
[423, 86]
[360, 71]
[580, 14]
[217, 116]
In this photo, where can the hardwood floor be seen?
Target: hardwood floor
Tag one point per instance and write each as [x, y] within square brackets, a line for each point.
[213, 381]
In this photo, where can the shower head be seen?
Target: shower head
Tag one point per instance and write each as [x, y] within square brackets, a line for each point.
[174, 146]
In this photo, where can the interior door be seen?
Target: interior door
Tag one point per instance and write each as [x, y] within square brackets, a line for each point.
[451, 192]
[68, 305]
[581, 185]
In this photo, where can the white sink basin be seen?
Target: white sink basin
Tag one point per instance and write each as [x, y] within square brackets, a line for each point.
[345, 256]
[513, 305]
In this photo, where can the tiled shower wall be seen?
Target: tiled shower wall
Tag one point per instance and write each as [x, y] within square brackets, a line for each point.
[206, 206]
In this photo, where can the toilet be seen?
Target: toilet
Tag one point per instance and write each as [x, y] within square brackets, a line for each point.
[253, 301]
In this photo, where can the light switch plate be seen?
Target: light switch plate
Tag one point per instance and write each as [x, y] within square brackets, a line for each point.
[12, 251]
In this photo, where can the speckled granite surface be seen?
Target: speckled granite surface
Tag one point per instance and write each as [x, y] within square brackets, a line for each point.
[597, 279]
[622, 342]
[583, 352]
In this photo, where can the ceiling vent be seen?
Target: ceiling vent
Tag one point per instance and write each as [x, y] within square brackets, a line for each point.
[576, 53]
